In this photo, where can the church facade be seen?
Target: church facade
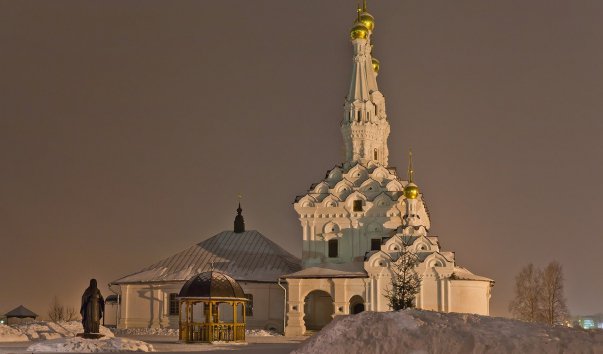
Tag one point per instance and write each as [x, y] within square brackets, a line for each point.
[357, 220]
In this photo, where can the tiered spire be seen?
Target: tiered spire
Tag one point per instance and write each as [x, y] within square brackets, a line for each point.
[365, 128]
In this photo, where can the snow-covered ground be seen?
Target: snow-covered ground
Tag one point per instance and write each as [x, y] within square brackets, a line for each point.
[416, 331]
[43, 330]
[10, 334]
[81, 345]
[174, 332]
[145, 331]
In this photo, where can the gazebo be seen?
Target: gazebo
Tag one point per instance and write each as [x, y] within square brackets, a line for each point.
[212, 309]
[20, 315]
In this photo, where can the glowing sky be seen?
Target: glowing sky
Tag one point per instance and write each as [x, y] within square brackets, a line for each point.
[128, 128]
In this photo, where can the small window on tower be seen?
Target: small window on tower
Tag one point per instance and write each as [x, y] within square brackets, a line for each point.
[375, 154]
[333, 248]
[375, 244]
[357, 205]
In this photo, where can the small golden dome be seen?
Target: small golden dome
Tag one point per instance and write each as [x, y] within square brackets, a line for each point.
[411, 191]
[359, 31]
[376, 65]
[367, 20]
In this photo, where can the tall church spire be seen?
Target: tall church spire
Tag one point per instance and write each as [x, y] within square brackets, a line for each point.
[364, 126]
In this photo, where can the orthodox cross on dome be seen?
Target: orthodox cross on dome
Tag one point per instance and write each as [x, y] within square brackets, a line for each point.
[239, 222]
[410, 170]
[411, 191]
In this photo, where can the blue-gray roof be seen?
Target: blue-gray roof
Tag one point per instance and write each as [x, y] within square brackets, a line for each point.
[245, 256]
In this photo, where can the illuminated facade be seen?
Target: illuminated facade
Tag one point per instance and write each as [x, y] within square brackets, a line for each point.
[356, 221]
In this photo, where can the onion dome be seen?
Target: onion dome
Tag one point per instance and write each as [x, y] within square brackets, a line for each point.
[376, 64]
[411, 191]
[212, 284]
[367, 20]
[359, 31]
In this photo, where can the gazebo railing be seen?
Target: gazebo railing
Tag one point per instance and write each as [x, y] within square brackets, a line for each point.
[212, 332]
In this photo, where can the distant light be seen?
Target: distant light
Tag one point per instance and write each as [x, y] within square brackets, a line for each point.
[588, 324]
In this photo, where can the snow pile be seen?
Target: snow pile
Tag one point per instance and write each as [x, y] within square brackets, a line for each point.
[261, 333]
[145, 331]
[42, 330]
[81, 345]
[10, 334]
[416, 331]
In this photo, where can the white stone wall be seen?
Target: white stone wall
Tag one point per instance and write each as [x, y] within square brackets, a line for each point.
[147, 305]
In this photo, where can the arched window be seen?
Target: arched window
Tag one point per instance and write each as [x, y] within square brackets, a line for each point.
[375, 154]
[333, 248]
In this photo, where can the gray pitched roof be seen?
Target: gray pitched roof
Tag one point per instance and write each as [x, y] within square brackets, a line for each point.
[21, 312]
[245, 256]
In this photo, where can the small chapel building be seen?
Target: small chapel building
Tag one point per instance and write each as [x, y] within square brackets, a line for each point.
[149, 297]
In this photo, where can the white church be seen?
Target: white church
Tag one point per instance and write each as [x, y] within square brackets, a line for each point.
[354, 224]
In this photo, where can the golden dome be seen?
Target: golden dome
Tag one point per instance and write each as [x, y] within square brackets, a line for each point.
[359, 31]
[367, 20]
[376, 65]
[411, 191]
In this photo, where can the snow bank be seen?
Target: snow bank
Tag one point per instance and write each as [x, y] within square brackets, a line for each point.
[10, 334]
[81, 345]
[416, 331]
[42, 330]
[261, 333]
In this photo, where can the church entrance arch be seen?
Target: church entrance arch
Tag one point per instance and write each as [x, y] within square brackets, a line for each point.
[356, 304]
[318, 309]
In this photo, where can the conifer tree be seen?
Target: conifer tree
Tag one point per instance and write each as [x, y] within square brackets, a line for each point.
[405, 282]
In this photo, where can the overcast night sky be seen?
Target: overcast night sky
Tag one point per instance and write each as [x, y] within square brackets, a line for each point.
[127, 129]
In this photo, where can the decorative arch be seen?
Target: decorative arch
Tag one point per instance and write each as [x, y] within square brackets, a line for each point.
[357, 174]
[343, 189]
[307, 201]
[370, 187]
[435, 260]
[356, 304]
[321, 188]
[331, 228]
[394, 186]
[380, 173]
[318, 309]
[382, 200]
[331, 201]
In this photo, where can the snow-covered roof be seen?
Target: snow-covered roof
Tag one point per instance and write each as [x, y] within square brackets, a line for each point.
[21, 312]
[461, 273]
[245, 256]
[331, 270]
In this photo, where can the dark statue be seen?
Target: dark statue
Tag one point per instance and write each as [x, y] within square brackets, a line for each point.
[93, 308]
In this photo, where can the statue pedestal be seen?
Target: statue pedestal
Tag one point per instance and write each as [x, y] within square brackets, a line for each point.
[90, 335]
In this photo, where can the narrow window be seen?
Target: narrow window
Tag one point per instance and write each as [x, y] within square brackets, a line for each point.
[249, 305]
[359, 116]
[357, 205]
[333, 248]
[173, 304]
[375, 154]
[375, 244]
